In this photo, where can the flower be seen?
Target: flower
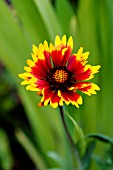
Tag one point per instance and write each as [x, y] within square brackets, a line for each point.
[58, 75]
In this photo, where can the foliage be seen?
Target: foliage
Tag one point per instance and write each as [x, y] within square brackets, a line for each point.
[23, 23]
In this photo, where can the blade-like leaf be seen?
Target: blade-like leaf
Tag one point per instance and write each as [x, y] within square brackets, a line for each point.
[6, 158]
[78, 136]
[13, 51]
[57, 158]
[13, 44]
[30, 149]
[88, 153]
[78, 129]
[49, 18]
[32, 21]
[101, 137]
[64, 13]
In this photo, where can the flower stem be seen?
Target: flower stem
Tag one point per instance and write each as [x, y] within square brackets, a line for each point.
[70, 138]
[65, 126]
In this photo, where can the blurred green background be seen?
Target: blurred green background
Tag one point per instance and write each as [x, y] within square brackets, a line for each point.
[33, 137]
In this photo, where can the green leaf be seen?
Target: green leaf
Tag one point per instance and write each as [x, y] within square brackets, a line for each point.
[64, 13]
[88, 153]
[30, 149]
[13, 53]
[62, 162]
[32, 23]
[78, 136]
[78, 129]
[6, 159]
[57, 158]
[14, 47]
[38, 118]
[104, 164]
[49, 18]
[101, 137]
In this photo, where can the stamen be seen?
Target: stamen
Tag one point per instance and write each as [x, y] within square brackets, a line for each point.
[60, 76]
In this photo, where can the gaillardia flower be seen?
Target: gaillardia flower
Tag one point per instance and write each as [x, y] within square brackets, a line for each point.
[58, 75]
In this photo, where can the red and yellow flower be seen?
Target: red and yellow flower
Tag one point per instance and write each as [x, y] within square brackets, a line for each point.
[57, 74]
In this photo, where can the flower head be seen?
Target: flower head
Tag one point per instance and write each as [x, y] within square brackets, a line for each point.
[57, 74]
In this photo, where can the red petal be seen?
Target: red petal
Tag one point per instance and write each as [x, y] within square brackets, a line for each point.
[38, 72]
[47, 93]
[55, 98]
[63, 94]
[74, 65]
[72, 95]
[66, 56]
[56, 57]
[42, 64]
[83, 76]
[80, 86]
[40, 69]
[47, 59]
[42, 84]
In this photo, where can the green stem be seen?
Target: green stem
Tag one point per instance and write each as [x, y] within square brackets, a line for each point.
[65, 126]
[74, 148]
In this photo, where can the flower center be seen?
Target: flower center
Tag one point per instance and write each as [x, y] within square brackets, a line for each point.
[60, 76]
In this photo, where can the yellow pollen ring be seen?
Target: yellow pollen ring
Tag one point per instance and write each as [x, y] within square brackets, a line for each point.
[60, 76]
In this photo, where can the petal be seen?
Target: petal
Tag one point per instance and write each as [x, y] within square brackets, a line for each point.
[83, 76]
[64, 40]
[57, 41]
[25, 82]
[34, 57]
[25, 75]
[85, 55]
[74, 65]
[46, 102]
[52, 47]
[80, 101]
[39, 73]
[64, 50]
[63, 98]
[66, 56]
[61, 102]
[43, 65]
[42, 84]
[46, 48]
[41, 55]
[47, 92]
[82, 85]
[41, 48]
[71, 63]
[30, 63]
[51, 96]
[47, 59]
[40, 70]
[73, 97]
[79, 53]
[54, 105]
[87, 87]
[55, 98]
[70, 42]
[35, 49]
[82, 56]
[32, 88]
[28, 69]
[95, 69]
[56, 57]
